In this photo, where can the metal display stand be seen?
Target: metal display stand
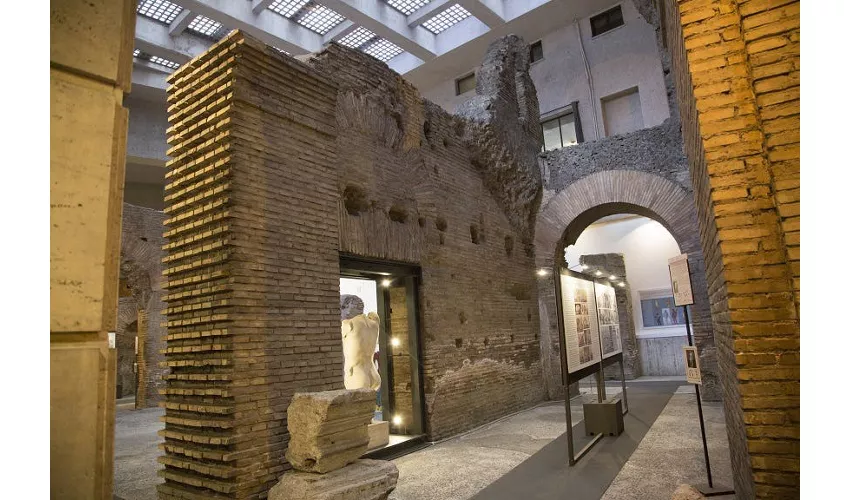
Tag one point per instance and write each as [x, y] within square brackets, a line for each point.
[597, 369]
[680, 279]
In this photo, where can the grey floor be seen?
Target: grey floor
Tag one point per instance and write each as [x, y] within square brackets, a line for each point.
[136, 450]
[498, 460]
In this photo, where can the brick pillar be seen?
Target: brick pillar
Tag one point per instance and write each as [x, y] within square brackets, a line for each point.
[252, 267]
[141, 360]
[737, 70]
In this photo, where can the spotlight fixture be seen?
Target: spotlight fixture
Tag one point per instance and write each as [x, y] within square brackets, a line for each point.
[386, 283]
[542, 272]
[397, 420]
[599, 273]
[612, 277]
[395, 342]
[621, 284]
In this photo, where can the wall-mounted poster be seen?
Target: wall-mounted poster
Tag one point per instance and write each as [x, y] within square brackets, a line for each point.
[692, 369]
[609, 320]
[581, 333]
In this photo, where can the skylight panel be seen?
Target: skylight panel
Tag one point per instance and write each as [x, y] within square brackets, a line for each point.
[382, 49]
[407, 7]
[205, 26]
[318, 18]
[446, 19]
[164, 62]
[287, 8]
[144, 56]
[357, 38]
[159, 9]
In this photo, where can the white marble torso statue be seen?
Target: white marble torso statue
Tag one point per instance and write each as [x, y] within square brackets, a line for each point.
[359, 338]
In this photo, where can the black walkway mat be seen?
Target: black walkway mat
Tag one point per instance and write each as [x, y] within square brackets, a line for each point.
[546, 475]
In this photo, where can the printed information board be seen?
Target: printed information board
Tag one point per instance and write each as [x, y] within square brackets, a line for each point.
[680, 279]
[581, 331]
[609, 320]
[692, 370]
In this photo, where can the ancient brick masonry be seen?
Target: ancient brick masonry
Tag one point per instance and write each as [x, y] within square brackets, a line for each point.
[737, 68]
[252, 268]
[141, 277]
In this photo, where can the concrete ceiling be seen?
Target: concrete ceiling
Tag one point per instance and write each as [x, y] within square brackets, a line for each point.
[168, 31]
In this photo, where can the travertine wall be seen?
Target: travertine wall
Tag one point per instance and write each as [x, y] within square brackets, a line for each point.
[91, 56]
[264, 195]
[737, 68]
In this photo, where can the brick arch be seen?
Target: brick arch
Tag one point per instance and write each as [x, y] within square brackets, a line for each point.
[625, 190]
[582, 202]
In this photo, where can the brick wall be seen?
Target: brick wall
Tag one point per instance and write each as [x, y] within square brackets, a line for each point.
[141, 280]
[252, 267]
[413, 188]
[737, 70]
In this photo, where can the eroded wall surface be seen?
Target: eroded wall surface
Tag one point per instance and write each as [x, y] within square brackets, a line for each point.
[457, 197]
[142, 303]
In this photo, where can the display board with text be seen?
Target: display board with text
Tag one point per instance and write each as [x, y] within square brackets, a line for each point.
[609, 320]
[581, 330]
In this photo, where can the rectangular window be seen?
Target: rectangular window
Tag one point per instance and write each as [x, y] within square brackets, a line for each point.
[621, 112]
[606, 21]
[536, 51]
[658, 310]
[559, 132]
[465, 84]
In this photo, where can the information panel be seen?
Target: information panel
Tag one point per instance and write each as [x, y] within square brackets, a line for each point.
[581, 332]
[609, 320]
[680, 279]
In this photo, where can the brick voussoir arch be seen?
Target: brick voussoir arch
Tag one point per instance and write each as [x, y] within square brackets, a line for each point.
[631, 191]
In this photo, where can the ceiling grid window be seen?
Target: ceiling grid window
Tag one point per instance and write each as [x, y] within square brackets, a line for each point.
[307, 13]
[446, 19]
[160, 10]
[407, 7]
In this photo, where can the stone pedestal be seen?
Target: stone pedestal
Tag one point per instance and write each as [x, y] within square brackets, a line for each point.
[379, 434]
[328, 430]
[362, 480]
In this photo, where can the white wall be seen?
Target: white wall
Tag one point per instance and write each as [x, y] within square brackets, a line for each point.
[619, 59]
[646, 245]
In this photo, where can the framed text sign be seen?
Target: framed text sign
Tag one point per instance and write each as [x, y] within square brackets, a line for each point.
[680, 279]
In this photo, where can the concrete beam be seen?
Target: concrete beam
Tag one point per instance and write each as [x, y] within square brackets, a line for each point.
[339, 31]
[153, 37]
[260, 5]
[267, 26]
[381, 19]
[430, 10]
[181, 22]
[489, 12]
[148, 83]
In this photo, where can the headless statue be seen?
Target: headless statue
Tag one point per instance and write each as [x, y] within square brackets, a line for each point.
[359, 338]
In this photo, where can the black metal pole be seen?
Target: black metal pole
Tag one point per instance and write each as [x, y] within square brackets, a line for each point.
[699, 406]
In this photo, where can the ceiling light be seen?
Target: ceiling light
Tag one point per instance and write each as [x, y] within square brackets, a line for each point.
[621, 284]
[397, 420]
[542, 272]
[160, 10]
[395, 342]
[386, 283]
[598, 273]
[612, 277]
[407, 7]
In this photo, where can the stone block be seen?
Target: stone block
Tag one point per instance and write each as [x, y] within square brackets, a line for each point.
[379, 434]
[687, 492]
[328, 430]
[362, 480]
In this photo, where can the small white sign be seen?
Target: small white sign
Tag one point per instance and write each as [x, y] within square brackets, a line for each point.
[692, 371]
[111, 339]
[680, 280]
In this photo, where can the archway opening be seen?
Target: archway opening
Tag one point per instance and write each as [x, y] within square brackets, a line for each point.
[632, 251]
